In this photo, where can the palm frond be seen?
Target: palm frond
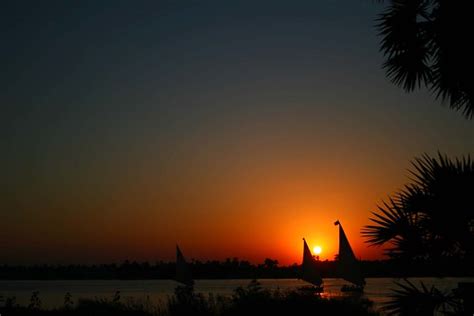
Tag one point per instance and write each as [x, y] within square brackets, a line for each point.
[405, 44]
[426, 44]
[433, 216]
[408, 299]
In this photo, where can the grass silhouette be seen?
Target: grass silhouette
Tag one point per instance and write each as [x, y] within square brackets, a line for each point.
[249, 300]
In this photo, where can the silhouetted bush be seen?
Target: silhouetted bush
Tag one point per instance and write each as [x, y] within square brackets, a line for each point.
[250, 300]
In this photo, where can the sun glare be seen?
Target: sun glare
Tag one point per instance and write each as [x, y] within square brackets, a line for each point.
[317, 250]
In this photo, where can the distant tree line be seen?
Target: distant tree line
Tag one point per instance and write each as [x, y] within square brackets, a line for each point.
[231, 268]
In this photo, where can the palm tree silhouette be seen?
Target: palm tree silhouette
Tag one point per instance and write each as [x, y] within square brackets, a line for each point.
[427, 43]
[431, 218]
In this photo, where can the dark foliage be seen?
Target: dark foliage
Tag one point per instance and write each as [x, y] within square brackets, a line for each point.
[427, 43]
[408, 299]
[94, 307]
[212, 269]
[253, 300]
[431, 219]
[224, 270]
[250, 300]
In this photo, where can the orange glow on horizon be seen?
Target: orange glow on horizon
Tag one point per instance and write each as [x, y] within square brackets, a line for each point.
[241, 208]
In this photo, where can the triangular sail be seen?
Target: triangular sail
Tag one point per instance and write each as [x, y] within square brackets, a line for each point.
[309, 269]
[349, 266]
[183, 273]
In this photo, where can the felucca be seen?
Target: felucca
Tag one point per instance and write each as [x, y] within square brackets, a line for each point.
[348, 265]
[309, 270]
[183, 272]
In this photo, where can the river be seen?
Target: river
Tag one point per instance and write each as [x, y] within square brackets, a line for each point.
[51, 293]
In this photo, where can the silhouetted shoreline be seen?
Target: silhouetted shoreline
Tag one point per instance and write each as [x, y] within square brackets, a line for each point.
[249, 300]
[228, 269]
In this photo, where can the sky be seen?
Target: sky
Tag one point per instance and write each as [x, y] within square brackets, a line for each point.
[234, 128]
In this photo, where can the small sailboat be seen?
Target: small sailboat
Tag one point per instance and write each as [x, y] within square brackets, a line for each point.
[183, 272]
[348, 265]
[309, 270]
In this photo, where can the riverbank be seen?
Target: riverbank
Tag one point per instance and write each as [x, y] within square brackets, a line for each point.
[227, 269]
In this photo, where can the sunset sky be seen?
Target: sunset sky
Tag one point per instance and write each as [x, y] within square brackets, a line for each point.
[233, 128]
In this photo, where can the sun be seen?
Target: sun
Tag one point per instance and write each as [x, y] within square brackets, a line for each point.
[317, 250]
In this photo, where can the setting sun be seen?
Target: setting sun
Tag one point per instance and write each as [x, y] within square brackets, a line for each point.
[317, 250]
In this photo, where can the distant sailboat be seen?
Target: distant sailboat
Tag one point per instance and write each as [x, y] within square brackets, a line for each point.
[309, 269]
[348, 265]
[183, 272]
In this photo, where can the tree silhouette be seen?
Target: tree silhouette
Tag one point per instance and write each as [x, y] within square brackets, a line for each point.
[409, 299]
[427, 43]
[270, 263]
[431, 218]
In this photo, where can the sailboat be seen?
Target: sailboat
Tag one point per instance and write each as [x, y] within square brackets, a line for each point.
[309, 270]
[183, 272]
[348, 265]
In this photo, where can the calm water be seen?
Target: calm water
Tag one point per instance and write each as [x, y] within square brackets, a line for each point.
[52, 293]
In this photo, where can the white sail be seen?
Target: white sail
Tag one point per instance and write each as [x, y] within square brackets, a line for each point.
[310, 271]
[183, 273]
[348, 265]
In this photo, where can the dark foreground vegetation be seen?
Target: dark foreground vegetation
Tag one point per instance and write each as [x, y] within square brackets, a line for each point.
[251, 300]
